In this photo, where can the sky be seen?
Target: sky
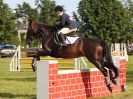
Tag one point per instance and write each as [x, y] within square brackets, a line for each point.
[70, 5]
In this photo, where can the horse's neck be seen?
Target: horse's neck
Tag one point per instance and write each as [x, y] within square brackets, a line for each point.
[48, 41]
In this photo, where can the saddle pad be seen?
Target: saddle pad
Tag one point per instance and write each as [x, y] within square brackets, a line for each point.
[71, 40]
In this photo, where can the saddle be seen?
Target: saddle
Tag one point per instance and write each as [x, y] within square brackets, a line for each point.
[69, 35]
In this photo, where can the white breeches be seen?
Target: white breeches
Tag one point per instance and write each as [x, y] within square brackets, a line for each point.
[67, 30]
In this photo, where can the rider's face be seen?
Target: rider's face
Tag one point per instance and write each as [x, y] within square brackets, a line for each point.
[58, 13]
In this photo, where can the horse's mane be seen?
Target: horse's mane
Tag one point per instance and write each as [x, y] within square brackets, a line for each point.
[51, 29]
[43, 24]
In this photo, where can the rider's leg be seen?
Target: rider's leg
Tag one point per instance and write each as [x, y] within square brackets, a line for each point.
[61, 34]
[62, 38]
[65, 31]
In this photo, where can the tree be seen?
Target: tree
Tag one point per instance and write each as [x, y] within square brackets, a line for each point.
[107, 20]
[46, 11]
[7, 24]
[25, 10]
[129, 6]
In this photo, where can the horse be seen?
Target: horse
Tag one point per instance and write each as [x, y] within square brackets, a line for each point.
[96, 51]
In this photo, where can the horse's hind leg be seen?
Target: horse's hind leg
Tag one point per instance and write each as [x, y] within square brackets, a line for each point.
[112, 78]
[112, 67]
[116, 70]
[109, 64]
[100, 66]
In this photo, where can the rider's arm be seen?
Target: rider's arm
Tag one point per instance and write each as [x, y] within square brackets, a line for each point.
[63, 19]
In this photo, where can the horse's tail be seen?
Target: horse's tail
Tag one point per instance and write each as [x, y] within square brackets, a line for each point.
[107, 52]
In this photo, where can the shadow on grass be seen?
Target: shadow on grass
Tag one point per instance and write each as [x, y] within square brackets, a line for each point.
[130, 76]
[20, 79]
[9, 95]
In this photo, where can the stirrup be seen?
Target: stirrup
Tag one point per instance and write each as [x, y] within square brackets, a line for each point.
[62, 44]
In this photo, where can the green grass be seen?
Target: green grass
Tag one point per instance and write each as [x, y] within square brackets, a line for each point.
[22, 85]
[16, 85]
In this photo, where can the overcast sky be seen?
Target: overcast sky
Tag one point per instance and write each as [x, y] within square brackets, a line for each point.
[70, 5]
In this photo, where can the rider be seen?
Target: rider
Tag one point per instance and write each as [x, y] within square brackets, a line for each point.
[66, 24]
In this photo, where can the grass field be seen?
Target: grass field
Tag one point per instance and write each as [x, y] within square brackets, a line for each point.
[22, 85]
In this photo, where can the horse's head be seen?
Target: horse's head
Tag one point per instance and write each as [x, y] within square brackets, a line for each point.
[31, 31]
[35, 30]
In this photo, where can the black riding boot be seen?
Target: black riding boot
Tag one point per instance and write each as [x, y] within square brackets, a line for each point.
[62, 38]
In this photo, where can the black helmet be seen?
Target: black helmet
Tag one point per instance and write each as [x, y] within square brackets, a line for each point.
[58, 8]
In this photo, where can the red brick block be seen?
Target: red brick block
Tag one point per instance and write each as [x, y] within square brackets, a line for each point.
[101, 83]
[50, 96]
[77, 97]
[73, 81]
[79, 74]
[50, 72]
[69, 93]
[103, 89]
[75, 75]
[80, 92]
[56, 83]
[65, 88]
[52, 77]
[72, 97]
[94, 90]
[99, 73]
[98, 94]
[62, 82]
[99, 89]
[98, 78]
[79, 80]
[102, 78]
[82, 86]
[93, 85]
[52, 90]
[54, 71]
[71, 87]
[64, 76]
[68, 81]
[90, 73]
[92, 79]
[122, 61]
[70, 75]
[63, 95]
[76, 87]
[59, 76]
[74, 93]
[83, 97]
[95, 73]
[51, 66]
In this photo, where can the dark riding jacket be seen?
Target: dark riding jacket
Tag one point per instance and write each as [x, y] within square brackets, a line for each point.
[65, 21]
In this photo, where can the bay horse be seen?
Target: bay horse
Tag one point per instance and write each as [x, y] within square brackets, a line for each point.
[97, 52]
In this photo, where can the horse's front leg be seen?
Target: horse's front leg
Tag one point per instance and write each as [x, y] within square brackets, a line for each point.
[37, 58]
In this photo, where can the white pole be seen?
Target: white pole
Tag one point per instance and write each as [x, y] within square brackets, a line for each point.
[84, 63]
[76, 64]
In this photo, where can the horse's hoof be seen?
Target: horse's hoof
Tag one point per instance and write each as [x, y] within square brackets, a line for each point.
[33, 68]
[114, 81]
[110, 88]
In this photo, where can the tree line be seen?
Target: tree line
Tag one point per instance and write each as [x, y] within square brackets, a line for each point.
[110, 21]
